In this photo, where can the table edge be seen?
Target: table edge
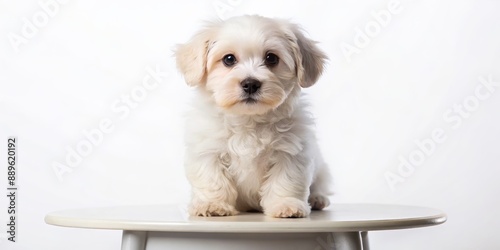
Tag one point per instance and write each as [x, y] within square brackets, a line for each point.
[251, 227]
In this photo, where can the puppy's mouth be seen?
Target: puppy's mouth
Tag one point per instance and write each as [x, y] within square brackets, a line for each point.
[249, 100]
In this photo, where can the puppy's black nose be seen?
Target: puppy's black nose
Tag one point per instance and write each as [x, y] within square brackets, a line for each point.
[250, 85]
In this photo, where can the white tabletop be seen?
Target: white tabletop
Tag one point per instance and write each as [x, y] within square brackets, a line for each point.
[172, 218]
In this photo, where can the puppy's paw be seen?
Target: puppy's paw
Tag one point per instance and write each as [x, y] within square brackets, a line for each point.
[288, 208]
[207, 209]
[318, 202]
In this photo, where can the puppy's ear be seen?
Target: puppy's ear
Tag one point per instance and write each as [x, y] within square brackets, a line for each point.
[191, 57]
[309, 59]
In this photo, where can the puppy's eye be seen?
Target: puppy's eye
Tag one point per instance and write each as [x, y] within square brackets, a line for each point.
[229, 60]
[272, 59]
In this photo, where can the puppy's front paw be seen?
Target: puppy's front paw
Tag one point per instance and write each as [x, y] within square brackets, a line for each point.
[288, 208]
[318, 202]
[207, 209]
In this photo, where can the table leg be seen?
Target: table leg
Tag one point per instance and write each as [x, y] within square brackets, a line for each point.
[350, 241]
[364, 240]
[134, 240]
[252, 241]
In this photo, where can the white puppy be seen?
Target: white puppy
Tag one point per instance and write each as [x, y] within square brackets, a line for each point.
[250, 145]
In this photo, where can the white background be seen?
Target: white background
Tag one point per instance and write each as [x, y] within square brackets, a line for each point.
[370, 107]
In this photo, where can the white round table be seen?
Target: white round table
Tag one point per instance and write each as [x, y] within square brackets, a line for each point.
[154, 227]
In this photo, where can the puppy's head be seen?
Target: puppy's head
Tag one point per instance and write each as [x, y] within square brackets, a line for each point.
[250, 64]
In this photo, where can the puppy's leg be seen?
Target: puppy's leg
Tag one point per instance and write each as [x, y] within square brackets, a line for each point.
[318, 199]
[286, 189]
[213, 191]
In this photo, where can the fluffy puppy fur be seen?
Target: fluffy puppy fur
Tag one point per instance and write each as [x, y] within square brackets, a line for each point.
[250, 145]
